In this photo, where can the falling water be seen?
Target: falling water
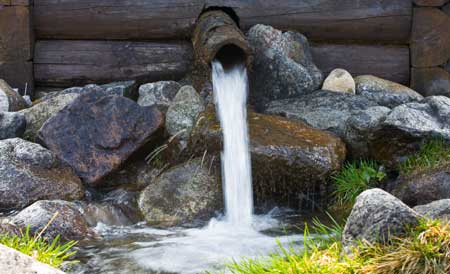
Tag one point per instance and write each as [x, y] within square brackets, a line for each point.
[230, 93]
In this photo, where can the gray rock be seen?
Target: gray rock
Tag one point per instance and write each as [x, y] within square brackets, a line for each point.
[38, 114]
[409, 125]
[14, 262]
[159, 93]
[384, 92]
[339, 80]
[182, 194]
[124, 88]
[12, 124]
[183, 112]
[422, 187]
[282, 67]
[29, 172]
[69, 223]
[10, 100]
[439, 209]
[377, 216]
[332, 111]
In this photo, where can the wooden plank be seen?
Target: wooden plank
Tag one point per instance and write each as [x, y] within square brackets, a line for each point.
[388, 62]
[18, 74]
[66, 63]
[15, 34]
[370, 20]
[69, 63]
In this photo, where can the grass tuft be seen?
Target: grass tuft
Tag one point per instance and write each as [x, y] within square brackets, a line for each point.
[433, 154]
[355, 178]
[49, 252]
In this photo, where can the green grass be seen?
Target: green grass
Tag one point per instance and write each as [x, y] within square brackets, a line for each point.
[49, 252]
[425, 249]
[433, 154]
[354, 178]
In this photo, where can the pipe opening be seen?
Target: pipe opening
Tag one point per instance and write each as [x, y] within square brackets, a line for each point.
[231, 55]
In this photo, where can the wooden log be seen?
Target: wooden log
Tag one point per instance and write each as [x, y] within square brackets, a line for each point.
[371, 20]
[430, 39]
[388, 62]
[430, 3]
[64, 63]
[18, 74]
[431, 81]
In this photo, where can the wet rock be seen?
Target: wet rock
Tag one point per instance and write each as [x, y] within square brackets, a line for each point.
[12, 124]
[159, 93]
[377, 216]
[29, 172]
[38, 114]
[183, 112]
[339, 80]
[431, 81]
[384, 92]
[13, 262]
[123, 88]
[282, 66]
[407, 126]
[331, 111]
[10, 100]
[423, 187]
[290, 160]
[181, 195]
[97, 132]
[69, 223]
[439, 209]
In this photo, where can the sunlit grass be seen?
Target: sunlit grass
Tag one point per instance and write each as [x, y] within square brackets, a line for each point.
[433, 154]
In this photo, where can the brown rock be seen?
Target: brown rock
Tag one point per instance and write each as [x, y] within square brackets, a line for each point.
[430, 41]
[97, 132]
[431, 81]
[290, 160]
[10, 100]
[430, 3]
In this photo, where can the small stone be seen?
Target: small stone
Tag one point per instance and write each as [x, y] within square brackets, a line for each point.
[339, 80]
[159, 93]
[69, 223]
[183, 112]
[385, 92]
[10, 100]
[123, 88]
[12, 124]
[181, 195]
[439, 209]
[377, 216]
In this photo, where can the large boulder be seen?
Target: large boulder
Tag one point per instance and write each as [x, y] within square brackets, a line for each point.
[12, 124]
[38, 114]
[288, 157]
[422, 187]
[183, 112]
[29, 172]
[68, 222]
[282, 67]
[159, 93]
[10, 100]
[407, 126]
[339, 113]
[182, 194]
[377, 216]
[439, 209]
[14, 262]
[339, 80]
[97, 132]
[385, 92]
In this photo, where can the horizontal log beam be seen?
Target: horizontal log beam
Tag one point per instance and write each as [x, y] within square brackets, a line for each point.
[368, 20]
[64, 63]
[388, 62]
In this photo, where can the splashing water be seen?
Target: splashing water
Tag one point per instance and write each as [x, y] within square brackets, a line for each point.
[230, 93]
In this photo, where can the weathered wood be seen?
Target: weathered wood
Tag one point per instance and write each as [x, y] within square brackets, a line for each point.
[446, 9]
[18, 74]
[388, 62]
[68, 63]
[431, 81]
[430, 3]
[430, 41]
[372, 20]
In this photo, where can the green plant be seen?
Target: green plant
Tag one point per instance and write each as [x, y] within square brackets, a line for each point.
[434, 153]
[354, 178]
